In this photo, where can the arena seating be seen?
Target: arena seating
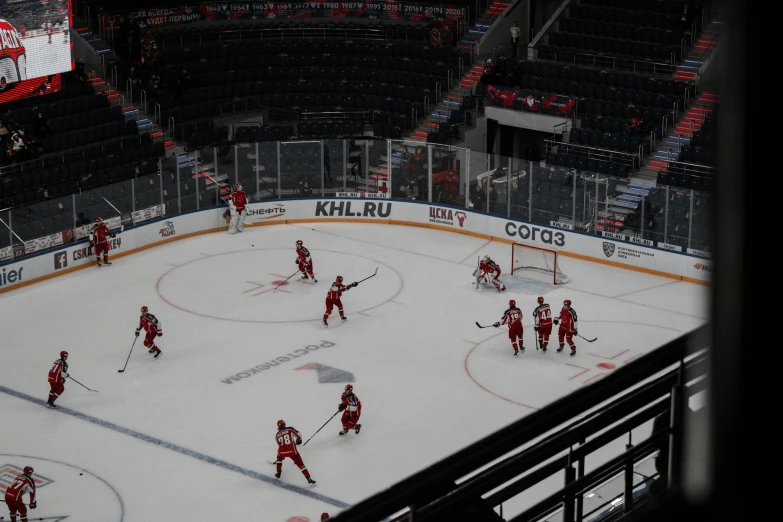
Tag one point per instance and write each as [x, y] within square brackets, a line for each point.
[624, 31]
[388, 79]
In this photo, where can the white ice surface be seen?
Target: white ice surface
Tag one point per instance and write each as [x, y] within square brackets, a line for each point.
[173, 441]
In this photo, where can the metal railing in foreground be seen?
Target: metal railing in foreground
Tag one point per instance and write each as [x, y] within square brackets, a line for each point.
[464, 487]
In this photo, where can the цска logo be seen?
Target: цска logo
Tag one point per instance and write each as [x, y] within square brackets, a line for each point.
[445, 216]
[608, 249]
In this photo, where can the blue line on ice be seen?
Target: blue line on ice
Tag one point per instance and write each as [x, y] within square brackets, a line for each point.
[179, 449]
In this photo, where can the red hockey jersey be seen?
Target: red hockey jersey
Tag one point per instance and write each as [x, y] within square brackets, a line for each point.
[286, 438]
[490, 267]
[239, 198]
[58, 372]
[337, 290]
[568, 319]
[303, 254]
[543, 316]
[21, 485]
[353, 403]
[100, 233]
[512, 317]
[150, 324]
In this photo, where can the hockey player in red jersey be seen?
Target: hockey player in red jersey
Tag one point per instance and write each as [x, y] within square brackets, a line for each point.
[287, 441]
[100, 240]
[513, 318]
[351, 407]
[57, 375]
[568, 327]
[150, 324]
[14, 495]
[489, 272]
[238, 206]
[304, 261]
[333, 298]
[543, 320]
[324, 516]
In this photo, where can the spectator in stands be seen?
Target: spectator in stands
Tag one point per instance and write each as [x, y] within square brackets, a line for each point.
[493, 198]
[686, 20]
[81, 220]
[17, 143]
[411, 190]
[305, 188]
[479, 198]
[355, 158]
[154, 84]
[515, 34]
[40, 126]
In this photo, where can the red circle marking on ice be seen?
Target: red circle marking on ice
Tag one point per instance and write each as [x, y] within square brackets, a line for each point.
[298, 519]
[280, 283]
[178, 307]
[512, 401]
[607, 366]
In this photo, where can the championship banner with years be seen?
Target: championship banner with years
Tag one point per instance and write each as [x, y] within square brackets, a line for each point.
[272, 10]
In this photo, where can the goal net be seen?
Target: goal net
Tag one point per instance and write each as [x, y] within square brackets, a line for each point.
[545, 264]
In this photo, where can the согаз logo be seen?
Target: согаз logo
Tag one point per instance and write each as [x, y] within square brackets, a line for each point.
[543, 235]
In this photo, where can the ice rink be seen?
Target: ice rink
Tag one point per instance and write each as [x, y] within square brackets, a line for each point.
[44, 58]
[189, 436]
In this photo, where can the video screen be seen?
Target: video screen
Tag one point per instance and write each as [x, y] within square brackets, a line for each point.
[29, 88]
[34, 40]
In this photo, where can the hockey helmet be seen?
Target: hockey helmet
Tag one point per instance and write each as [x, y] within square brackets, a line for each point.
[237, 187]
[512, 303]
[348, 388]
[28, 470]
[63, 355]
[540, 300]
[339, 279]
[299, 243]
[144, 310]
[486, 257]
[98, 219]
[324, 516]
[567, 303]
[281, 423]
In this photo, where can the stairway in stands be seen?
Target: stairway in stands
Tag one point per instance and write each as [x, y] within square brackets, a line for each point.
[482, 25]
[116, 97]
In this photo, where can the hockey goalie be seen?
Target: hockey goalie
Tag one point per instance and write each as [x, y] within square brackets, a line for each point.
[488, 273]
[237, 205]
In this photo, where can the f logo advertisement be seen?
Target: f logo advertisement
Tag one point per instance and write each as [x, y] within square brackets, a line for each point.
[608, 249]
[60, 260]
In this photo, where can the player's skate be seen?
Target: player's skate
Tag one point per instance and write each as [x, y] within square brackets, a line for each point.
[344, 318]
[107, 262]
[310, 480]
[573, 352]
[560, 349]
[343, 431]
[277, 475]
[304, 276]
[50, 404]
[358, 427]
[158, 354]
[325, 323]
[516, 353]
[151, 350]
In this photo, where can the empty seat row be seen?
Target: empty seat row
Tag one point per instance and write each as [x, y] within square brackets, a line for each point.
[602, 77]
[609, 141]
[611, 46]
[621, 31]
[79, 121]
[90, 135]
[336, 129]
[629, 17]
[672, 7]
[620, 167]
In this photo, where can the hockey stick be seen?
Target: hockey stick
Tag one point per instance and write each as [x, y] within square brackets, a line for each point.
[588, 340]
[489, 326]
[286, 280]
[325, 423]
[129, 354]
[366, 278]
[82, 385]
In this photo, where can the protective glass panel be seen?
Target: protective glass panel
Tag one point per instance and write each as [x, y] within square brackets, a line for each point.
[701, 222]
[333, 166]
[41, 225]
[266, 170]
[300, 168]
[677, 215]
[245, 167]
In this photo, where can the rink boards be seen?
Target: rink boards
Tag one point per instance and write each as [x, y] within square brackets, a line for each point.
[623, 254]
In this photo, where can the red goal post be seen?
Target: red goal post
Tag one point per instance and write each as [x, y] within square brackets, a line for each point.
[538, 260]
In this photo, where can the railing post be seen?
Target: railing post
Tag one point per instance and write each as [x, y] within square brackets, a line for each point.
[530, 192]
[429, 173]
[675, 438]
[568, 497]
[321, 162]
[467, 178]
[690, 221]
[279, 176]
[580, 472]
[628, 482]
[666, 217]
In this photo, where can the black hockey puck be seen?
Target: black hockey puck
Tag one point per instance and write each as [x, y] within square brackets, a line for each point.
[252, 245]
[81, 473]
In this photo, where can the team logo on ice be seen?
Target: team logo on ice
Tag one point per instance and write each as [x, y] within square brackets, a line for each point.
[9, 472]
[608, 249]
[168, 229]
